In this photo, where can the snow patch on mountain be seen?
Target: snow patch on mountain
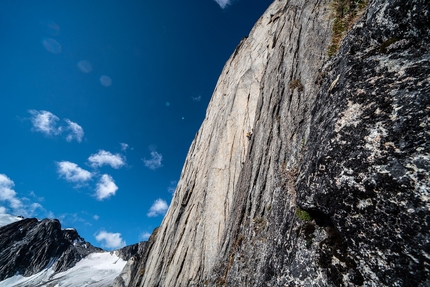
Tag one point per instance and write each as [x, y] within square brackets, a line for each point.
[95, 270]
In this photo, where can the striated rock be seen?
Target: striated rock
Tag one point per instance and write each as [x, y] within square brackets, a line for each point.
[307, 171]
[133, 272]
[288, 44]
[29, 246]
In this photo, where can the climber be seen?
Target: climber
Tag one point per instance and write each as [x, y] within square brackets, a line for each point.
[248, 135]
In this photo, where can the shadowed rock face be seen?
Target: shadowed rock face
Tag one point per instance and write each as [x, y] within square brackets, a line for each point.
[308, 171]
[367, 165]
[29, 246]
[129, 251]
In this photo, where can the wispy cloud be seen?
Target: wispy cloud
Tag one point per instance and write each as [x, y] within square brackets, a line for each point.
[197, 99]
[106, 158]
[33, 207]
[72, 172]
[7, 193]
[223, 3]
[110, 240]
[35, 196]
[144, 236]
[48, 124]
[72, 218]
[19, 206]
[45, 122]
[96, 217]
[158, 208]
[172, 186]
[124, 146]
[154, 162]
[106, 187]
[75, 131]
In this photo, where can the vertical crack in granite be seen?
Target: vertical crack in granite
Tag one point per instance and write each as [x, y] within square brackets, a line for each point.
[212, 168]
[261, 247]
[308, 171]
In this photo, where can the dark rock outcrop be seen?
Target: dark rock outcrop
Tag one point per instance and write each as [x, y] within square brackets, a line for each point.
[367, 162]
[28, 246]
[308, 171]
[129, 251]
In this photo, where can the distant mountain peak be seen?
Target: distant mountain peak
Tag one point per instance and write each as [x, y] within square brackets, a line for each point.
[28, 246]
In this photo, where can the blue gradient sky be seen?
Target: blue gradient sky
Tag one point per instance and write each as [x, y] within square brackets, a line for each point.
[100, 101]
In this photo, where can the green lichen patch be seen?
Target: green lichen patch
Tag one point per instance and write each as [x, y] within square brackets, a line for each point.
[303, 215]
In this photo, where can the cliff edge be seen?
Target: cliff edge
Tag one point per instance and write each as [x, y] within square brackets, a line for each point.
[308, 170]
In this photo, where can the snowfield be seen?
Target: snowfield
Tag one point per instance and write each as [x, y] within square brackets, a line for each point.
[95, 270]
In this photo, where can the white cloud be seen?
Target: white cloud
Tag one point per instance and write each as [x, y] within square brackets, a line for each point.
[158, 208]
[71, 219]
[154, 162]
[145, 236]
[110, 240]
[106, 158]
[106, 187]
[124, 146]
[31, 208]
[7, 193]
[96, 217]
[72, 172]
[76, 131]
[223, 3]
[197, 99]
[172, 186]
[45, 122]
[21, 206]
[38, 198]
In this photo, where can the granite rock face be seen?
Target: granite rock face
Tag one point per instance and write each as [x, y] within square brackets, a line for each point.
[307, 171]
[28, 246]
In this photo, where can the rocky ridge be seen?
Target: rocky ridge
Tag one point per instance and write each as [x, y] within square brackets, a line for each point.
[307, 171]
[29, 246]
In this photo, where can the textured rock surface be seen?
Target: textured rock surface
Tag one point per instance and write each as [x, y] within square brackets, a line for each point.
[288, 43]
[190, 238]
[367, 165]
[28, 246]
[346, 139]
[129, 251]
[134, 271]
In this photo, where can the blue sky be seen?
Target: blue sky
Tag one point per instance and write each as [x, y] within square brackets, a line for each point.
[100, 101]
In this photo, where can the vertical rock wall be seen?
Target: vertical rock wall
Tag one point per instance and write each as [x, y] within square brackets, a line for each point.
[288, 44]
[190, 238]
[367, 166]
[330, 187]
